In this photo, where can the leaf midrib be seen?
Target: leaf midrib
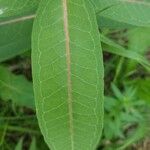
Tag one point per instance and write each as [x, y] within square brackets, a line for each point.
[68, 62]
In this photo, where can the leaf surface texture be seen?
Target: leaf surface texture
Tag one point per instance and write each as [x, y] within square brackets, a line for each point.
[68, 74]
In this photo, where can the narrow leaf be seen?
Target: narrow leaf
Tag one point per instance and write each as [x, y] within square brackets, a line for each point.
[33, 144]
[19, 145]
[68, 74]
[119, 50]
[138, 41]
[3, 132]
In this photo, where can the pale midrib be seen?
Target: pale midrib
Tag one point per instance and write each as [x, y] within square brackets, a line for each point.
[68, 61]
[20, 19]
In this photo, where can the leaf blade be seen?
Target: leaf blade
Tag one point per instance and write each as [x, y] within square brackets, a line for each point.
[16, 88]
[119, 50]
[132, 13]
[62, 81]
[16, 19]
[19, 145]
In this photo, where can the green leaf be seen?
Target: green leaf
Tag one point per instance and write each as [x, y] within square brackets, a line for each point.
[104, 22]
[16, 88]
[119, 50]
[10, 9]
[143, 87]
[116, 91]
[33, 144]
[16, 20]
[134, 36]
[122, 12]
[134, 137]
[139, 34]
[3, 132]
[15, 39]
[68, 74]
[19, 145]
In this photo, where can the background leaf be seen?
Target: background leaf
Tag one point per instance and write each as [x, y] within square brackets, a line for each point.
[16, 20]
[33, 144]
[19, 145]
[16, 39]
[122, 12]
[10, 9]
[119, 50]
[139, 39]
[16, 88]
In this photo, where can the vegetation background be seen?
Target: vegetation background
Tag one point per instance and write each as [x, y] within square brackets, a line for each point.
[126, 52]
